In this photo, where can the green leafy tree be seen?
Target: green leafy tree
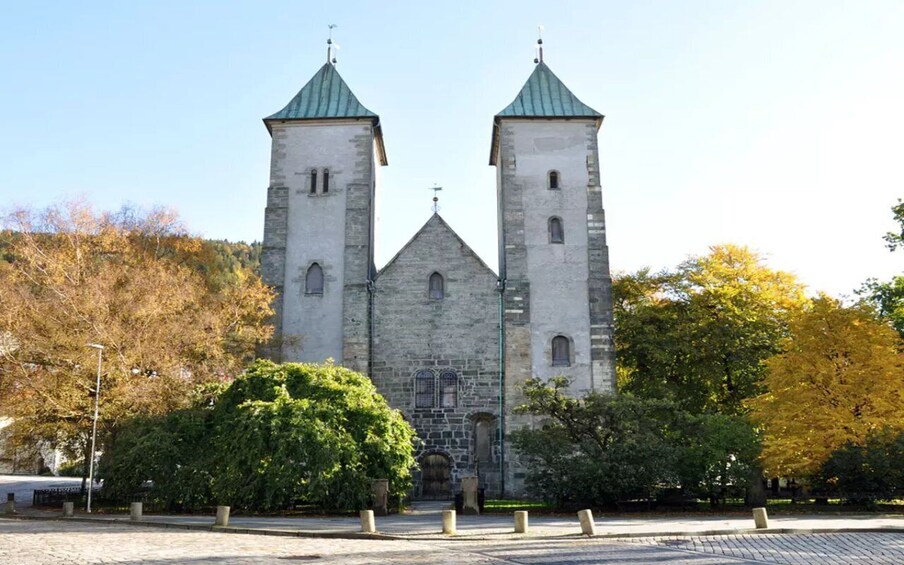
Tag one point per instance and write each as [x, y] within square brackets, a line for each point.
[868, 472]
[602, 449]
[278, 434]
[697, 335]
[888, 296]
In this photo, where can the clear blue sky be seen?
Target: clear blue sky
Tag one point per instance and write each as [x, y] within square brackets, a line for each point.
[779, 125]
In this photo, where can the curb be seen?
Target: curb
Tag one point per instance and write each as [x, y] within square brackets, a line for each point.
[327, 534]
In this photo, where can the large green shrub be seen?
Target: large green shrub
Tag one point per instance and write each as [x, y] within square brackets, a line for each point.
[604, 449]
[318, 434]
[865, 473]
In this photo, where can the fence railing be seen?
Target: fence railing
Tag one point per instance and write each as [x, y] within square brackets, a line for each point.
[55, 497]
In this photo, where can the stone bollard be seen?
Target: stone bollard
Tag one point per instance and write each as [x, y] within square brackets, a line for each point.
[469, 487]
[381, 496]
[368, 526]
[521, 522]
[10, 507]
[135, 511]
[222, 516]
[449, 522]
[760, 519]
[68, 509]
[588, 528]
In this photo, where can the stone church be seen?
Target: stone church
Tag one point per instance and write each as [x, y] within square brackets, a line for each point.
[443, 337]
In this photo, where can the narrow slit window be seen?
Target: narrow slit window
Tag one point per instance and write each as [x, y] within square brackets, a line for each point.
[561, 351]
[483, 439]
[553, 180]
[424, 389]
[313, 181]
[556, 231]
[326, 180]
[437, 287]
[313, 282]
[448, 389]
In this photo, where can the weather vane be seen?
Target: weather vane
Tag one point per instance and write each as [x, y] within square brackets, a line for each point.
[539, 57]
[435, 190]
[330, 46]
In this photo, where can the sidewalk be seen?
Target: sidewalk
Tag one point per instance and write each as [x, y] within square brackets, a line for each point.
[424, 522]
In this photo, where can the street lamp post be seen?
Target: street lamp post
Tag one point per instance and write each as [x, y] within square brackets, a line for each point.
[100, 352]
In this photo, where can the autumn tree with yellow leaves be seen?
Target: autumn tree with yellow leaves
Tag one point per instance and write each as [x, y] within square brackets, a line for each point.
[839, 379]
[136, 283]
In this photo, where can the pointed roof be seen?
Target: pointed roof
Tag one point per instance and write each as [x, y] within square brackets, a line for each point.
[326, 96]
[543, 96]
[436, 221]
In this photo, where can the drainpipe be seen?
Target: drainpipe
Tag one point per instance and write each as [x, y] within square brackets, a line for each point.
[500, 287]
[371, 291]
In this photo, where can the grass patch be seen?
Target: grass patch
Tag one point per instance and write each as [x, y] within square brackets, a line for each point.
[510, 505]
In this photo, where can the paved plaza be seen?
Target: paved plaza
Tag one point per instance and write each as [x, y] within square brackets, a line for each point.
[40, 542]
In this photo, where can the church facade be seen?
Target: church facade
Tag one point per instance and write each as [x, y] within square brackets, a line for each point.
[444, 338]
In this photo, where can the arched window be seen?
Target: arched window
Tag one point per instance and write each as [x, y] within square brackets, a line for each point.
[448, 389]
[437, 287]
[424, 389]
[556, 230]
[553, 177]
[313, 181]
[484, 429]
[561, 351]
[313, 281]
[326, 180]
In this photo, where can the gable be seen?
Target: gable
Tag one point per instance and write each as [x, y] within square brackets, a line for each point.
[436, 244]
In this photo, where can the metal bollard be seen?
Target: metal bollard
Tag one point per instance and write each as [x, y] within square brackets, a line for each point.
[521, 522]
[68, 509]
[368, 526]
[588, 528]
[760, 518]
[135, 511]
[10, 503]
[449, 522]
[222, 516]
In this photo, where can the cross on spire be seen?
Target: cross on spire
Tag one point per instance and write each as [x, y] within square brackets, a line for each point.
[330, 45]
[539, 57]
[435, 190]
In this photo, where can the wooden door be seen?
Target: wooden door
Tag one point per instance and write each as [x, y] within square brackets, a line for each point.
[435, 473]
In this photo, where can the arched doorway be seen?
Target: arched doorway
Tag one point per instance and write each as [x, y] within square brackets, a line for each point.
[436, 471]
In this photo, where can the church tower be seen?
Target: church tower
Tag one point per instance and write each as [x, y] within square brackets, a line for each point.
[553, 258]
[319, 223]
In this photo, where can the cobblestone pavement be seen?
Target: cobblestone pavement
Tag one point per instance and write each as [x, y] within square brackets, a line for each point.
[30, 542]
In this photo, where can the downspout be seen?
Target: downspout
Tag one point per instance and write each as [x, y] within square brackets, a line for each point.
[500, 286]
[371, 291]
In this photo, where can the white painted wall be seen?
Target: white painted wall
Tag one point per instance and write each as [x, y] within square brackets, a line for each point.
[558, 274]
[312, 325]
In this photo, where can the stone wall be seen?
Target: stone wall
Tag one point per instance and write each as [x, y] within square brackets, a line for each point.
[414, 332]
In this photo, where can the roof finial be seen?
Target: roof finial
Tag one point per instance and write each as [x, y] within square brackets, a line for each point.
[330, 45]
[435, 190]
[539, 57]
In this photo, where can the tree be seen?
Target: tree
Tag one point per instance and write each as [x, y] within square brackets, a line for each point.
[888, 296]
[840, 377]
[698, 335]
[868, 472]
[276, 435]
[603, 449]
[133, 282]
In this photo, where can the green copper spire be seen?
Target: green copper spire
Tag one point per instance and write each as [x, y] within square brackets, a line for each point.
[324, 96]
[545, 96]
